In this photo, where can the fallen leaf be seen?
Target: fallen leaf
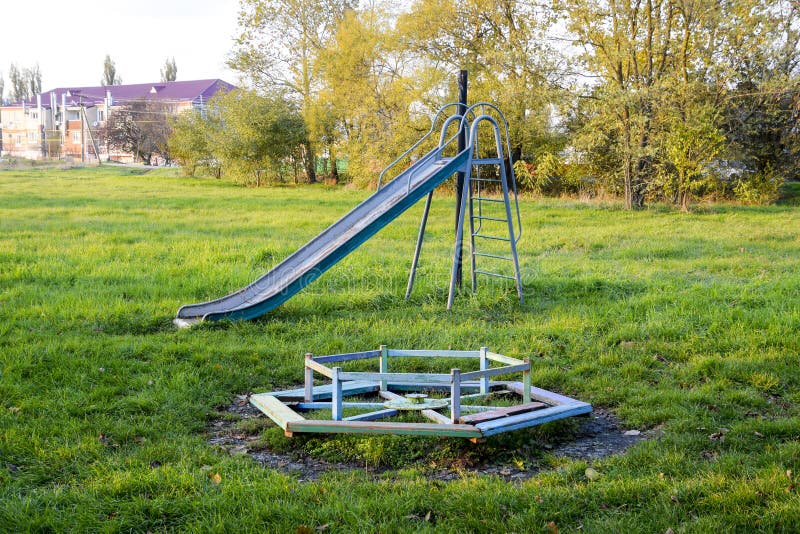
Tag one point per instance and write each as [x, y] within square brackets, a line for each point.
[216, 478]
[591, 474]
[551, 527]
[789, 473]
[428, 516]
[14, 409]
[674, 498]
[302, 529]
[758, 434]
[323, 527]
[669, 531]
[632, 432]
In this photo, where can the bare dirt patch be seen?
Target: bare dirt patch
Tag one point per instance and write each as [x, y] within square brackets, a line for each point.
[596, 436]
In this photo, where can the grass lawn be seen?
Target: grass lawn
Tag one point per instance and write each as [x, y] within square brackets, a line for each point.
[685, 322]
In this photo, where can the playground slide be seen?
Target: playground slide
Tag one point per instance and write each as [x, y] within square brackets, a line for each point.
[333, 244]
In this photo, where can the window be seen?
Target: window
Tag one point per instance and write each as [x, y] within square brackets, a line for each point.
[101, 115]
[31, 137]
[34, 114]
[76, 137]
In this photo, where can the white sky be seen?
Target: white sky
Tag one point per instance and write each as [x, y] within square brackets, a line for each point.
[69, 40]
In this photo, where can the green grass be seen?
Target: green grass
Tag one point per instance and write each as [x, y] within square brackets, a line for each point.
[685, 322]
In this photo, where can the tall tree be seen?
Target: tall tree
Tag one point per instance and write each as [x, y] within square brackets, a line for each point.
[20, 90]
[652, 59]
[33, 78]
[503, 45]
[367, 90]
[110, 76]
[277, 47]
[169, 72]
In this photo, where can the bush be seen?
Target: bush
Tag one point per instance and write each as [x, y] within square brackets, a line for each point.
[761, 187]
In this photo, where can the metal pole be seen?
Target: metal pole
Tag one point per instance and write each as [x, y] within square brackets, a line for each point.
[462, 144]
[417, 250]
[83, 144]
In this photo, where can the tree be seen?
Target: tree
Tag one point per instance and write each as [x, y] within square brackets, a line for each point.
[110, 76]
[252, 135]
[692, 140]
[279, 42]
[652, 60]
[141, 127]
[33, 77]
[189, 142]
[170, 71]
[503, 46]
[2, 88]
[366, 91]
[19, 86]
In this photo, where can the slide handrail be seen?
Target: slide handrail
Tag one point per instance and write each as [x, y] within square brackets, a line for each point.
[471, 112]
[419, 142]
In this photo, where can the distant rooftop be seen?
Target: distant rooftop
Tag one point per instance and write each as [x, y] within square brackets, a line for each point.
[194, 90]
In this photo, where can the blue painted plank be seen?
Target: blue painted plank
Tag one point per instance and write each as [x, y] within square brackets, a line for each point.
[435, 353]
[323, 392]
[516, 422]
[347, 357]
[372, 416]
[541, 394]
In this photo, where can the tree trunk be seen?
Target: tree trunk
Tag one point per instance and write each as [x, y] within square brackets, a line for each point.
[311, 164]
[685, 197]
[334, 167]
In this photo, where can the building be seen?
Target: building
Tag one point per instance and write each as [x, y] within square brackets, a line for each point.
[65, 122]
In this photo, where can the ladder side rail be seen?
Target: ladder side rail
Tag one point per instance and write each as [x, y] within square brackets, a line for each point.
[513, 242]
[506, 199]
[483, 107]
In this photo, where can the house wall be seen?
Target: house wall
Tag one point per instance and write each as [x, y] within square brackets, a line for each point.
[23, 130]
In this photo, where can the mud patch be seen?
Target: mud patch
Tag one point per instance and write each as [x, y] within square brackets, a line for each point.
[594, 437]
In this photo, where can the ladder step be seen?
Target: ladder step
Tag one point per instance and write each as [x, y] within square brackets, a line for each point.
[487, 161]
[495, 256]
[500, 200]
[492, 180]
[481, 217]
[496, 275]
[491, 237]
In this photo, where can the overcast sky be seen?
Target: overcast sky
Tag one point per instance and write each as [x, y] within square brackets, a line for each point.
[69, 40]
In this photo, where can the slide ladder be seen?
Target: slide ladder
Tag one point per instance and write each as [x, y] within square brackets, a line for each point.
[494, 218]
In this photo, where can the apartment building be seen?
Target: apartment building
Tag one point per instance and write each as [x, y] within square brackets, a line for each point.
[65, 122]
